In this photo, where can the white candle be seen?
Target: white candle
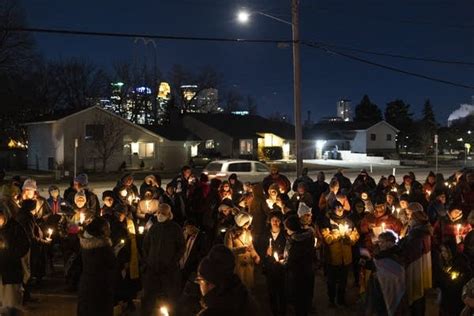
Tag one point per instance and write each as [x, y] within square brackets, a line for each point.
[398, 211]
[82, 218]
[383, 227]
[270, 242]
[141, 229]
[50, 233]
[275, 255]
[458, 227]
[147, 203]
[315, 242]
[164, 311]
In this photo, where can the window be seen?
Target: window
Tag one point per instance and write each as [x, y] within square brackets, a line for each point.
[389, 137]
[239, 167]
[146, 150]
[373, 137]
[214, 166]
[246, 146]
[261, 167]
[210, 144]
[94, 132]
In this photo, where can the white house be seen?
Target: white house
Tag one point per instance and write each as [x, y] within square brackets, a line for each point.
[99, 133]
[355, 137]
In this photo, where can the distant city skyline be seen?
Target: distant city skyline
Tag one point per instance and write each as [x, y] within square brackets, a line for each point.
[423, 29]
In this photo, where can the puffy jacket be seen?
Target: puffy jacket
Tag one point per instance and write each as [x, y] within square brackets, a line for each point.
[339, 246]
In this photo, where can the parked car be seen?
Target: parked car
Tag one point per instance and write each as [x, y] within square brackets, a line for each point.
[246, 170]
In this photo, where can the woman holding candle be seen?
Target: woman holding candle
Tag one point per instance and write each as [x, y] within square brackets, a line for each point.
[429, 186]
[239, 240]
[452, 228]
[274, 268]
[147, 207]
[437, 207]
[339, 235]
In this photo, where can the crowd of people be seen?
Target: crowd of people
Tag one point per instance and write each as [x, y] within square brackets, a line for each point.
[197, 245]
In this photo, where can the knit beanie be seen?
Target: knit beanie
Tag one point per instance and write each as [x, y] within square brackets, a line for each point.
[293, 223]
[82, 179]
[29, 184]
[28, 205]
[243, 218]
[303, 209]
[218, 266]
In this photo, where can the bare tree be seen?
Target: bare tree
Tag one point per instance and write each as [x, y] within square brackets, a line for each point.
[108, 138]
[16, 48]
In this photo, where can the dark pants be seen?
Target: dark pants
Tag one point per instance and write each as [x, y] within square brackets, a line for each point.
[337, 282]
[301, 284]
[417, 308]
[276, 291]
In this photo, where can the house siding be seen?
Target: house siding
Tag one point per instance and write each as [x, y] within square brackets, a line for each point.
[381, 144]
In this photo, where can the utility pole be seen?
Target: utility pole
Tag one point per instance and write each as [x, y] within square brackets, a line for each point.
[297, 85]
[436, 151]
[76, 144]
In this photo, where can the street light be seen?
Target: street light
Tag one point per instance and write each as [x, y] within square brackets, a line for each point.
[243, 17]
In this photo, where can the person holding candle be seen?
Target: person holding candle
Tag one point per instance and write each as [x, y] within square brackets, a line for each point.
[109, 200]
[453, 228]
[273, 266]
[225, 221]
[373, 224]
[14, 245]
[392, 183]
[81, 183]
[429, 186]
[147, 207]
[363, 183]
[275, 177]
[152, 182]
[54, 200]
[163, 247]
[339, 236]
[328, 198]
[239, 240]
[82, 214]
[301, 196]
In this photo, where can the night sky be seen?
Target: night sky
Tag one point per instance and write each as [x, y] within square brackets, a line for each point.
[422, 28]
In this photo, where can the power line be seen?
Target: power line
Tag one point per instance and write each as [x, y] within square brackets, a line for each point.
[145, 36]
[402, 71]
[433, 60]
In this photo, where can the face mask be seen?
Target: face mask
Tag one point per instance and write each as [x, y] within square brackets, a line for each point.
[161, 218]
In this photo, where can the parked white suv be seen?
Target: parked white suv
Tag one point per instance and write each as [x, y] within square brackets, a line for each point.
[246, 170]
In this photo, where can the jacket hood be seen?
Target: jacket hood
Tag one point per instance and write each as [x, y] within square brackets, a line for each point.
[303, 235]
[90, 242]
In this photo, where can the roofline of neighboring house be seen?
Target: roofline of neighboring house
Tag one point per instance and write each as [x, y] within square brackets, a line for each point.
[379, 122]
[105, 111]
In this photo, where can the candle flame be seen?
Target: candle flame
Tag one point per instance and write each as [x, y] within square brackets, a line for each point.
[164, 311]
[275, 255]
[141, 229]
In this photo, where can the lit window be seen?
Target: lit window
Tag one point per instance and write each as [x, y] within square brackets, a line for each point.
[210, 144]
[246, 146]
[146, 150]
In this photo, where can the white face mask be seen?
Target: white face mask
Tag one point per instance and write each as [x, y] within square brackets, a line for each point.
[161, 218]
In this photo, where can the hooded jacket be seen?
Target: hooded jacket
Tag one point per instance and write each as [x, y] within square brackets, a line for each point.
[14, 244]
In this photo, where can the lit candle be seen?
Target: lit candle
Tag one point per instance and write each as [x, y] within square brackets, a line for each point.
[428, 192]
[164, 311]
[398, 211]
[50, 233]
[223, 230]
[275, 255]
[147, 203]
[270, 242]
[446, 183]
[130, 199]
[298, 197]
[458, 227]
[82, 218]
[141, 229]
[270, 203]
[315, 242]
[383, 227]
[454, 275]
[122, 241]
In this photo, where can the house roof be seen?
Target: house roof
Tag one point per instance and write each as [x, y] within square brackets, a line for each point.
[245, 126]
[173, 132]
[340, 130]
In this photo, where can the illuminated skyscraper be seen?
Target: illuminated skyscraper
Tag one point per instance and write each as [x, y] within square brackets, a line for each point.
[343, 108]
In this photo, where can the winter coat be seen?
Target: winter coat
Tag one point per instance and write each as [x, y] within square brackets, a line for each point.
[196, 248]
[229, 299]
[240, 242]
[416, 250]
[345, 184]
[436, 210]
[14, 244]
[339, 247]
[296, 199]
[92, 200]
[147, 208]
[55, 205]
[96, 287]
[271, 267]
[445, 231]
[259, 211]
[371, 225]
[157, 191]
[303, 179]
[237, 191]
[362, 184]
